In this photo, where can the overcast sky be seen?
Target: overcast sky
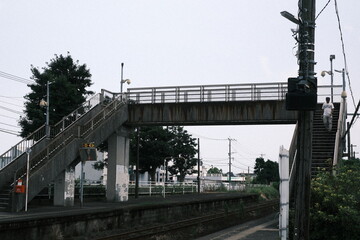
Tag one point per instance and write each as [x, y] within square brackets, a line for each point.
[173, 42]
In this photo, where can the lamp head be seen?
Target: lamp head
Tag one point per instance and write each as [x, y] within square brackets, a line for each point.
[290, 17]
[43, 103]
[323, 73]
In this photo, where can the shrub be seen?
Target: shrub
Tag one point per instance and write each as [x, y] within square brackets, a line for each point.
[335, 204]
[265, 192]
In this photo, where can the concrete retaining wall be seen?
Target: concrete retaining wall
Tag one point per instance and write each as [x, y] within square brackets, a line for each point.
[94, 222]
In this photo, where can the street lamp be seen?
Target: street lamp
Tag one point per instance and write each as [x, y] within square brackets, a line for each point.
[28, 150]
[290, 17]
[46, 103]
[123, 80]
[343, 76]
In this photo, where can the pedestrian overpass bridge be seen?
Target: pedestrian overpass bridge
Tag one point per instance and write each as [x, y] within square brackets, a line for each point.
[110, 117]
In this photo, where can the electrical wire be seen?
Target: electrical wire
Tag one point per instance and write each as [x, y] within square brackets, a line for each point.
[16, 78]
[323, 9]
[11, 104]
[343, 51]
[11, 110]
[1, 115]
[10, 125]
[20, 99]
[10, 132]
[208, 138]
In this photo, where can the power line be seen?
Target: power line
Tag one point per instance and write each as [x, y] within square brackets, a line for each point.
[343, 51]
[244, 169]
[20, 99]
[215, 139]
[16, 78]
[1, 115]
[323, 9]
[242, 163]
[10, 125]
[9, 132]
[11, 104]
[11, 110]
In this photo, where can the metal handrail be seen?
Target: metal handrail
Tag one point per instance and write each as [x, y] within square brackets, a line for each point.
[339, 132]
[20, 148]
[70, 134]
[212, 93]
[68, 120]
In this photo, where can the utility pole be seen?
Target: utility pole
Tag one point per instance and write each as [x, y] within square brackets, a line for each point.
[198, 177]
[348, 141]
[305, 121]
[137, 163]
[230, 139]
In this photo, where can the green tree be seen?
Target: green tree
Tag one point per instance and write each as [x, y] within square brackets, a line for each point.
[214, 170]
[183, 150]
[154, 148]
[68, 82]
[157, 144]
[335, 203]
[266, 172]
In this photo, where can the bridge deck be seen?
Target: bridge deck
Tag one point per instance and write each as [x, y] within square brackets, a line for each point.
[211, 113]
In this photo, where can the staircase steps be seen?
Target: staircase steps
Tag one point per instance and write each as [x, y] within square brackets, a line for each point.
[323, 141]
[52, 157]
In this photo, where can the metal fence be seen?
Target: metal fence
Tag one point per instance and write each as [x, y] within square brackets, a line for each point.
[160, 188]
[215, 93]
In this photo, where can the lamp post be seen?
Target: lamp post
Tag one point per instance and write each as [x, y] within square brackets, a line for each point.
[123, 80]
[28, 150]
[46, 103]
[343, 79]
[332, 57]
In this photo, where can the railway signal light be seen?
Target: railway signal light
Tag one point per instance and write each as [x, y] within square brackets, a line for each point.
[302, 94]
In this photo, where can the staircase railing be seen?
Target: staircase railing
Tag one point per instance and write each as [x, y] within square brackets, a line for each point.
[38, 135]
[72, 132]
[340, 131]
[292, 158]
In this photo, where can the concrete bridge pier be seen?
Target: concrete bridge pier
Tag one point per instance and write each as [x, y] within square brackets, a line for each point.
[118, 166]
[64, 188]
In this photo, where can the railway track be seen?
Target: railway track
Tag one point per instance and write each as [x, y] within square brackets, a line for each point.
[247, 212]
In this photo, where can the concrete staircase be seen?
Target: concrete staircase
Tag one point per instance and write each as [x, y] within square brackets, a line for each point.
[50, 157]
[323, 141]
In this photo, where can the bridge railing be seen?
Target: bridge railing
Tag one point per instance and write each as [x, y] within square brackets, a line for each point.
[213, 93]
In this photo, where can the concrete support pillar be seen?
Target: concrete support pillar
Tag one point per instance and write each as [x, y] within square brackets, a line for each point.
[64, 188]
[118, 165]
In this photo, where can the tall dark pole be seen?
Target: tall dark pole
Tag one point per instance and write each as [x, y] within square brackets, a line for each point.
[348, 140]
[47, 126]
[137, 164]
[122, 79]
[303, 163]
[229, 162]
[332, 57]
[198, 177]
